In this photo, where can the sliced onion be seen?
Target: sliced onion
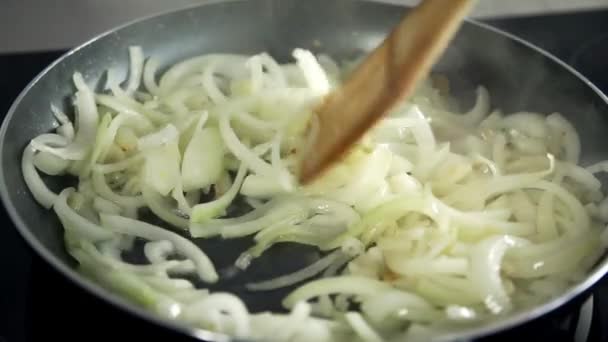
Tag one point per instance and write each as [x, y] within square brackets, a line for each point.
[162, 137]
[159, 206]
[346, 284]
[147, 231]
[296, 277]
[136, 56]
[119, 165]
[39, 190]
[242, 152]
[102, 205]
[486, 260]
[398, 304]
[298, 316]
[209, 210]
[203, 160]
[102, 188]
[222, 302]
[564, 129]
[313, 72]
[158, 251]
[73, 221]
[362, 329]
[85, 122]
[149, 76]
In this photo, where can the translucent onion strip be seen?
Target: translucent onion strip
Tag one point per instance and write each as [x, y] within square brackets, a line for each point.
[102, 188]
[486, 259]
[345, 284]
[136, 56]
[296, 277]
[364, 331]
[42, 194]
[147, 231]
[73, 221]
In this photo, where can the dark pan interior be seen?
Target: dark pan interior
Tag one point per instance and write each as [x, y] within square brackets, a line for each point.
[518, 78]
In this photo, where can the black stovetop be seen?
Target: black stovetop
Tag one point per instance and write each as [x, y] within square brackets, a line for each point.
[38, 304]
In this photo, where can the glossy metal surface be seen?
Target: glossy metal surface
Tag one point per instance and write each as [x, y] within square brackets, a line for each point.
[519, 77]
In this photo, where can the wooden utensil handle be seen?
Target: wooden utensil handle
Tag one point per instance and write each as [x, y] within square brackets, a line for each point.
[387, 76]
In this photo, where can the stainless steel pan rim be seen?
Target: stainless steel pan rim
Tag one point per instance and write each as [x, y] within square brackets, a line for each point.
[118, 301]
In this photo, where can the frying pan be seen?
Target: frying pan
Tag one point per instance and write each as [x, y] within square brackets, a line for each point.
[518, 75]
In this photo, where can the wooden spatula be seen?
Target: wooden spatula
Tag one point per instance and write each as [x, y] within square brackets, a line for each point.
[388, 75]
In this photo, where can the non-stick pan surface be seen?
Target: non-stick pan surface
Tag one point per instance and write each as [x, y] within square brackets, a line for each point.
[518, 76]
